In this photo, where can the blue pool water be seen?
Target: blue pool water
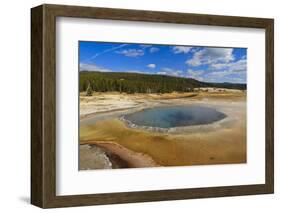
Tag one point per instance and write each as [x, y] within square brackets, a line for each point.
[175, 116]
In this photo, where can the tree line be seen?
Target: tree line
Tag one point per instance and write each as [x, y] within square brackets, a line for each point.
[141, 83]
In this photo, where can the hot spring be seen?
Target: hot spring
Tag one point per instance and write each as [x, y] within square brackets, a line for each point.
[175, 116]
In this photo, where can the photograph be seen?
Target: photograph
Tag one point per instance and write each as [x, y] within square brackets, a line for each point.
[144, 105]
[152, 105]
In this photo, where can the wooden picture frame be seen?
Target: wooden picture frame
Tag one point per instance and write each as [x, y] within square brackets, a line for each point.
[43, 105]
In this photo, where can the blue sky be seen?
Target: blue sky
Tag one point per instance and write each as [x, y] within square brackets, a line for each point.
[210, 64]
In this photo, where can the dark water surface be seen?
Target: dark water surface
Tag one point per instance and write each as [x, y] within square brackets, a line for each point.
[175, 116]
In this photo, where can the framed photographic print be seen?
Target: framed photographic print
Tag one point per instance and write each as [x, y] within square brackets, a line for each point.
[136, 106]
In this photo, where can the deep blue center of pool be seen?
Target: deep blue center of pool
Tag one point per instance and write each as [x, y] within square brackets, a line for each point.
[175, 116]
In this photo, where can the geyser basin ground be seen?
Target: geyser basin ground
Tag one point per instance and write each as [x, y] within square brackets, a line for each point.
[220, 142]
[175, 116]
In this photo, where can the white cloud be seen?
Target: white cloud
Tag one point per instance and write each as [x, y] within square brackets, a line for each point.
[153, 49]
[223, 76]
[152, 66]
[171, 72]
[219, 74]
[237, 66]
[230, 72]
[108, 50]
[181, 49]
[235, 80]
[131, 52]
[210, 56]
[145, 45]
[194, 49]
[196, 74]
[161, 73]
[92, 67]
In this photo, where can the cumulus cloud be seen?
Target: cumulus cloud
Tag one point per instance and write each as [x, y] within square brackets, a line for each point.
[153, 49]
[237, 66]
[232, 71]
[131, 52]
[152, 66]
[210, 56]
[181, 49]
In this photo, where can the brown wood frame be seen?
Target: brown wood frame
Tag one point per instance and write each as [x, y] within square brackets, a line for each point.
[43, 105]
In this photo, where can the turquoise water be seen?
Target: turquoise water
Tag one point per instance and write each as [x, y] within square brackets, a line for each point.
[175, 116]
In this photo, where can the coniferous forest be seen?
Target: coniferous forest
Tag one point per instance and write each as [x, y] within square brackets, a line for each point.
[143, 83]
